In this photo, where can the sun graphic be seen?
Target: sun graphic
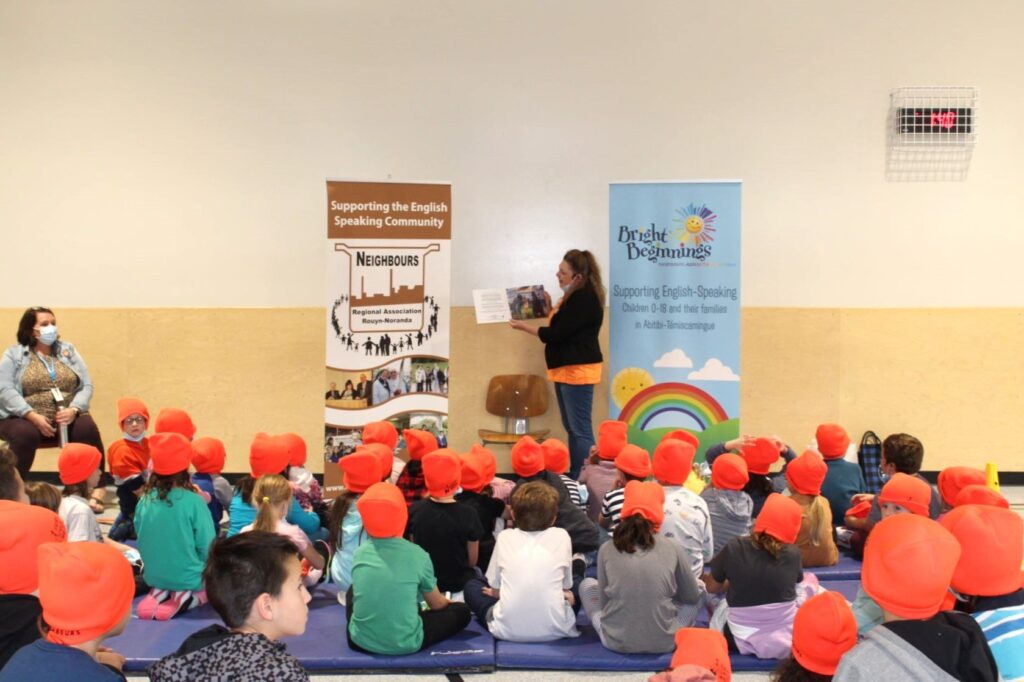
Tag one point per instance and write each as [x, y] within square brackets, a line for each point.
[628, 382]
[696, 225]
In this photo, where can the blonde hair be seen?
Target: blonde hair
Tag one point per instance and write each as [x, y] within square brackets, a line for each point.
[820, 528]
[270, 490]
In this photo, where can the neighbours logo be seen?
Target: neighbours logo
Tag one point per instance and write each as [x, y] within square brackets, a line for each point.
[689, 237]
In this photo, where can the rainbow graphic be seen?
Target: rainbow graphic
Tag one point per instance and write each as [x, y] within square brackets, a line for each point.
[672, 397]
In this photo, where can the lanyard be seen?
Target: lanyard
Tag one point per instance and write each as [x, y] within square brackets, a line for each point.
[51, 367]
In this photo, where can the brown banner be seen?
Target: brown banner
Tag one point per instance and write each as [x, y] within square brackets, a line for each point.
[384, 210]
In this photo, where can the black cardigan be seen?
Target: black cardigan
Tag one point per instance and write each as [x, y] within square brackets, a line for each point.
[571, 337]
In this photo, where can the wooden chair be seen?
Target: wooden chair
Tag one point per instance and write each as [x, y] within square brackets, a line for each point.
[516, 398]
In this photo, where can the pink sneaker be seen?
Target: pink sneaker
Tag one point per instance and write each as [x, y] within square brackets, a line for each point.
[179, 602]
[148, 605]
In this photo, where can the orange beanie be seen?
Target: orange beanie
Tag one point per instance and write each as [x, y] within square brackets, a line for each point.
[729, 472]
[23, 527]
[611, 438]
[860, 510]
[981, 494]
[780, 517]
[824, 629]
[705, 648]
[476, 471]
[380, 432]
[954, 479]
[171, 453]
[76, 462]
[267, 455]
[385, 458]
[832, 441]
[527, 457]
[171, 419]
[646, 499]
[419, 443]
[907, 491]
[908, 565]
[633, 460]
[442, 473]
[760, 455]
[556, 455]
[383, 511]
[683, 435]
[360, 470]
[806, 473]
[673, 460]
[296, 447]
[208, 455]
[85, 590]
[486, 455]
[126, 407]
[992, 540]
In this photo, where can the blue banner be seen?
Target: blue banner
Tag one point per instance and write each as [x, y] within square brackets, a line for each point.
[674, 298]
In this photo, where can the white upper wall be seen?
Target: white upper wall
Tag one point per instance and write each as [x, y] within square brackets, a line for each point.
[174, 154]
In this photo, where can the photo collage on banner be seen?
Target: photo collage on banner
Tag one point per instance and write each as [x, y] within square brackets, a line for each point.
[388, 312]
[674, 299]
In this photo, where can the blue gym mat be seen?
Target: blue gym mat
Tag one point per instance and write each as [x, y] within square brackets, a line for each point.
[847, 568]
[847, 588]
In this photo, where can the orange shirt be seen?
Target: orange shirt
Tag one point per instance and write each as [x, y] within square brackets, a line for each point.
[127, 458]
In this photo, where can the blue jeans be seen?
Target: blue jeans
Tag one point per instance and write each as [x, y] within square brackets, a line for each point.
[575, 403]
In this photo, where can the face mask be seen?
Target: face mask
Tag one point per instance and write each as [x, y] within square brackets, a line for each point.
[566, 288]
[48, 334]
[135, 439]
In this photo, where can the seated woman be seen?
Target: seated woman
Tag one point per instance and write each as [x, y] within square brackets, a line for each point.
[44, 384]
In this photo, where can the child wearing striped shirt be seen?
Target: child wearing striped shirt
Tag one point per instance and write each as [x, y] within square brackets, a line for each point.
[556, 460]
[632, 464]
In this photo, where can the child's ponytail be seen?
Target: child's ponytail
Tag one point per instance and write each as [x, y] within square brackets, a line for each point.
[270, 491]
[819, 529]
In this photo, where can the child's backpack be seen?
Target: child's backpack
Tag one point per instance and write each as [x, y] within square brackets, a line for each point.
[869, 456]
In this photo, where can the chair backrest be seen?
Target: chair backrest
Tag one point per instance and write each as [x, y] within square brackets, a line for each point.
[517, 396]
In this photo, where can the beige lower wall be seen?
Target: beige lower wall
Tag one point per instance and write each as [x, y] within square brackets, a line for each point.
[950, 376]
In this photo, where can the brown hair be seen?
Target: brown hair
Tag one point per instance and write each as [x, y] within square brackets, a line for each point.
[904, 452]
[42, 494]
[8, 473]
[81, 489]
[790, 670]
[584, 264]
[27, 324]
[534, 505]
[163, 485]
[633, 532]
[767, 543]
[336, 516]
[270, 490]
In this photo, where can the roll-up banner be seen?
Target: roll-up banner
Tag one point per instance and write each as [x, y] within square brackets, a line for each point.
[388, 312]
[674, 299]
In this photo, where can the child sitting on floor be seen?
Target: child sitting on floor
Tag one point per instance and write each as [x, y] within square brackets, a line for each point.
[952, 480]
[823, 630]
[129, 459]
[760, 454]
[909, 562]
[687, 519]
[901, 453]
[556, 460]
[843, 479]
[530, 591]
[390, 576]
[255, 585]
[85, 591]
[478, 467]
[643, 579]
[360, 470]
[759, 574]
[175, 531]
[305, 487]
[208, 461]
[729, 506]
[599, 472]
[701, 655]
[449, 532]
[631, 464]
[805, 475]
[410, 481]
[272, 495]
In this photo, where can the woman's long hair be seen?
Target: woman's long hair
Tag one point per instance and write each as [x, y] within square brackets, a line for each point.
[633, 532]
[270, 491]
[585, 265]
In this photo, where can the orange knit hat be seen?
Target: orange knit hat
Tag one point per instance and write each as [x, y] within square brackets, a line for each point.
[611, 438]
[633, 460]
[673, 460]
[703, 647]
[442, 472]
[171, 419]
[981, 494]
[208, 455]
[909, 492]
[486, 455]
[832, 441]
[556, 455]
[296, 447]
[527, 457]
[954, 479]
[806, 473]
[760, 455]
[76, 462]
[729, 472]
[267, 455]
[992, 540]
[23, 527]
[780, 517]
[646, 499]
[171, 453]
[478, 467]
[360, 470]
[908, 565]
[380, 432]
[419, 443]
[683, 435]
[385, 458]
[861, 510]
[126, 407]
[383, 511]
[85, 590]
[824, 629]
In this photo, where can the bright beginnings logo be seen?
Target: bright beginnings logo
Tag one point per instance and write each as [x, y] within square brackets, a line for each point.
[689, 239]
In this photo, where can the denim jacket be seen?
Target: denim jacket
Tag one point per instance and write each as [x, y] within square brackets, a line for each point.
[12, 369]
